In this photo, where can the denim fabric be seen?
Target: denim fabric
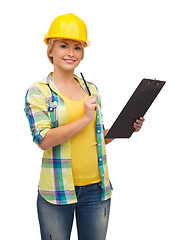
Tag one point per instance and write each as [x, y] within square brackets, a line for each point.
[91, 213]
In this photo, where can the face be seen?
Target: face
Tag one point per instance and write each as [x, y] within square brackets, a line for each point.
[66, 54]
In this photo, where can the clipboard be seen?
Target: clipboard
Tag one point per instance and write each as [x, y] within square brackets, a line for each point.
[136, 107]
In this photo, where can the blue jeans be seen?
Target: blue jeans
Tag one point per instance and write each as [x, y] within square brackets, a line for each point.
[91, 213]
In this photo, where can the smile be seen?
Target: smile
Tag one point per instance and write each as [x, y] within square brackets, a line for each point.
[69, 61]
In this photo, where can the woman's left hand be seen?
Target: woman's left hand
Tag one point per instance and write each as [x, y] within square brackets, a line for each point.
[138, 124]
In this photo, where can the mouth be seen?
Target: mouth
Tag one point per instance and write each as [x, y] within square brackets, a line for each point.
[70, 61]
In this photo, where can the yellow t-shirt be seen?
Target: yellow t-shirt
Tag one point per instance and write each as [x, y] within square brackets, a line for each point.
[83, 145]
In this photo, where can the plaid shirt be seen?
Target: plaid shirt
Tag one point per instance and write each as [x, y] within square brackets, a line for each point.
[45, 109]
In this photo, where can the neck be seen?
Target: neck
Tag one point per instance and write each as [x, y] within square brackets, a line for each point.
[60, 76]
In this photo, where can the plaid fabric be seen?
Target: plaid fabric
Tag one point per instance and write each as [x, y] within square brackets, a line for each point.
[45, 109]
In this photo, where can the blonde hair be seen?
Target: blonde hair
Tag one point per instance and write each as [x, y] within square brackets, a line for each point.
[51, 44]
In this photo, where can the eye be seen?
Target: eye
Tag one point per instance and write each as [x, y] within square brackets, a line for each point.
[77, 48]
[63, 46]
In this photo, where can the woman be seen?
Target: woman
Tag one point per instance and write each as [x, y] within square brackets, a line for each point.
[67, 124]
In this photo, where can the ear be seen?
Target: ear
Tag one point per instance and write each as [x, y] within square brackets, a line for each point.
[50, 54]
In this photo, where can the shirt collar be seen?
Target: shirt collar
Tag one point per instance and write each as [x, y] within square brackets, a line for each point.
[48, 80]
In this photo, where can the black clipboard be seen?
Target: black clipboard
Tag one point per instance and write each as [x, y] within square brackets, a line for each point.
[136, 107]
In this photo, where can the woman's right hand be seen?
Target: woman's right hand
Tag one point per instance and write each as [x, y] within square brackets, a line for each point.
[59, 135]
[90, 105]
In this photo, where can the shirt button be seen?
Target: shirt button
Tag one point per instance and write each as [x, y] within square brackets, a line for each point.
[98, 131]
[100, 159]
[99, 144]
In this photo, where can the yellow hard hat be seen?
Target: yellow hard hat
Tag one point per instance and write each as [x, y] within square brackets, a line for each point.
[67, 26]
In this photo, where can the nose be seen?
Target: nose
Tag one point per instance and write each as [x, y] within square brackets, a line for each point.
[71, 52]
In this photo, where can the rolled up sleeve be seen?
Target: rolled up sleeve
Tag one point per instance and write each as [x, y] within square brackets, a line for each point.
[36, 111]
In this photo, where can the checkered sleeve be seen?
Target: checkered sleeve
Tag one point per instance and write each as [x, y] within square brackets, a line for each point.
[36, 111]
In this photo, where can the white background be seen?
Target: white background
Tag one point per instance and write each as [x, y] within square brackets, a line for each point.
[130, 40]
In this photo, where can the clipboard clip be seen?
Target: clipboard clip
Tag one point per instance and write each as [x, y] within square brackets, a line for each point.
[154, 80]
[157, 82]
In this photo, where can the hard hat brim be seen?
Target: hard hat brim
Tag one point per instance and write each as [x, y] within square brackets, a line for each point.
[46, 40]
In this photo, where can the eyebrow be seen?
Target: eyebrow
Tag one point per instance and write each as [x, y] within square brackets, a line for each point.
[64, 42]
[68, 43]
[77, 44]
